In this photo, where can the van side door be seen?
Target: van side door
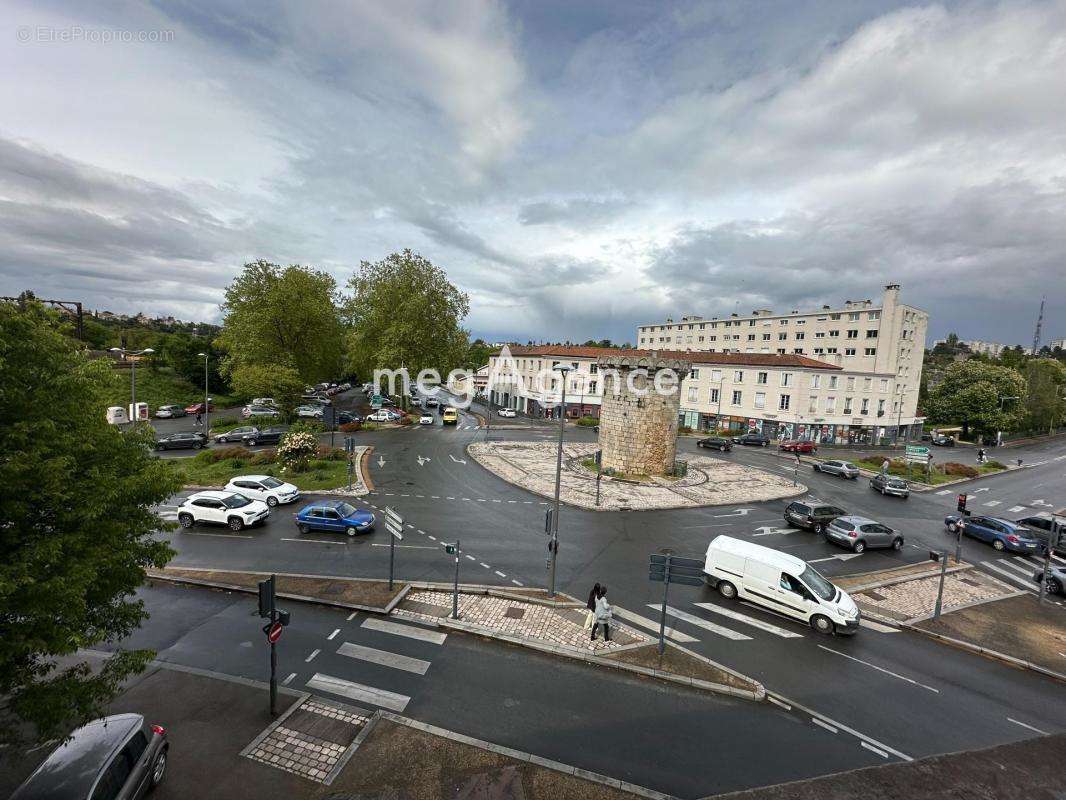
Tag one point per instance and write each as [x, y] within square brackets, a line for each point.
[795, 596]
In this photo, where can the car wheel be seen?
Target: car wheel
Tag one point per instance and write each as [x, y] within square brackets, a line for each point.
[236, 523]
[727, 590]
[186, 520]
[303, 528]
[953, 527]
[159, 768]
[160, 448]
[251, 442]
[897, 543]
[272, 502]
[998, 545]
[350, 531]
[1053, 586]
[822, 624]
[859, 547]
[765, 444]
[816, 468]
[819, 528]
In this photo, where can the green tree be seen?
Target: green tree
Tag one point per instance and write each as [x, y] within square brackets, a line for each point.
[283, 316]
[970, 395]
[76, 527]
[477, 355]
[282, 383]
[404, 312]
[1045, 404]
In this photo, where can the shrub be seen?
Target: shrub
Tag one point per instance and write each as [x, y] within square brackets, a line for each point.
[263, 457]
[588, 422]
[995, 464]
[306, 426]
[327, 453]
[684, 429]
[224, 454]
[296, 450]
[961, 470]
[351, 427]
[370, 426]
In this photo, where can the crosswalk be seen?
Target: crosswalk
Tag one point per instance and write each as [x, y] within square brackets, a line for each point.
[383, 697]
[1018, 571]
[978, 498]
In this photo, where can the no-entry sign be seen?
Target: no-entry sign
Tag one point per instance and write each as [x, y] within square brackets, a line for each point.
[274, 632]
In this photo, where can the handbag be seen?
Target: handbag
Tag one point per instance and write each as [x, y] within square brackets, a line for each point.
[589, 619]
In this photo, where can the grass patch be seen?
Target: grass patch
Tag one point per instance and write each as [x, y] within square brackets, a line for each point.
[588, 422]
[205, 470]
[161, 387]
[223, 425]
[941, 473]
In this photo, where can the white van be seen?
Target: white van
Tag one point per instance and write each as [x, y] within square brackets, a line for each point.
[116, 415]
[779, 582]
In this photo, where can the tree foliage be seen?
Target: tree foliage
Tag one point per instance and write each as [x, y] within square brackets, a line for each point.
[970, 394]
[283, 316]
[404, 311]
[1045, 404]
[283, 383]
[75, 527]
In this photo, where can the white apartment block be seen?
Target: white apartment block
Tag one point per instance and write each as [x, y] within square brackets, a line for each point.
[992, 349]
[1057, 343]
[786, 396]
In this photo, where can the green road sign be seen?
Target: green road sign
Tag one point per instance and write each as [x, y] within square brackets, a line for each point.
[917, 450]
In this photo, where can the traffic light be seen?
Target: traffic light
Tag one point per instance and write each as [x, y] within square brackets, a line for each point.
[266, 597]
[284, 617]
[962, 503]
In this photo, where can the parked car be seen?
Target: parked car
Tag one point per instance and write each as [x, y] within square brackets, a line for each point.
[264, 436]
[426, 419]
[169, 412]
[716, 443]
[890, 484]
[416, 401]
[237, 434]
[798, 446]
[752, 440]
[198, 408]
[814, 515]
[845, 469]
[260, 411]
[263, 487]
[334, 515]
[780, 582]
[1056, 579]
[449, 417]
[1002, 534]
[347, 417]
[120, 756]
[383, 415]
[263, 401]
[181, 441]
[231, 509]
[507, 412]
[311, 411]
[1039, 526]
[942, 440]
[432, 402]
[860, 533]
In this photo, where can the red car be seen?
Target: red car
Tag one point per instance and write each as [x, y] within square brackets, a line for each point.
[798, 446]
[198, 408]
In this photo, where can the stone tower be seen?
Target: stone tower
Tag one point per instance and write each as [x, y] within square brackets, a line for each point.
[638, 425]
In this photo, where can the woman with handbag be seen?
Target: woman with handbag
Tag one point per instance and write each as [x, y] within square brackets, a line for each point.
[603, 616]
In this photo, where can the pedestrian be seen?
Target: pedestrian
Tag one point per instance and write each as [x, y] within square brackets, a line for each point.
[603, 616]
[884, 467]
[199, 418]
[981, 455]
[590, 617]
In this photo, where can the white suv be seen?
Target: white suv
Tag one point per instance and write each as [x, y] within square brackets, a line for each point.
[263, 487]
[222, 508]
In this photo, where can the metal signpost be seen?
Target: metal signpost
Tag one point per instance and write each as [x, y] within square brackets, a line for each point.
[963, 514]
[349, 447]
[669, 569]
[599, 464]
[279, 618]
[942, 557]
[917, 454]
[394, 525]
[453, 549]
[1052, 543]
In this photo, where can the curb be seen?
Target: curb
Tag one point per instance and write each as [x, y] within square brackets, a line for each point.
[364, 468]
[986, 651]
[904, 578]
[757, 695]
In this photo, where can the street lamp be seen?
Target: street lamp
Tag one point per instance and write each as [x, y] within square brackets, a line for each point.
[900, 391]
[553, 544]
[133, 374]
[207, 400]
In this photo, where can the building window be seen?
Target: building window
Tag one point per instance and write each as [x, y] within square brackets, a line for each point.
[851, 384]
[798, 350]
[834, 316]
[874, 315]
[871, 333]
[847, 405]
[766, 337]
[592, 387]
[834, 334]
[853, 334]
[760, 400]
[784, 322]
[780, 351]
[786, 378]
[867, 384]
[880, 407]
[819, 334]
[830, 405]
[714, 395]
[849, 351]
[833, 381]
[865, 406]
[812, 405]
[884, 384]
[695, 374]
[736, 398]
[871, 351]
[819, 351]
[762, 377]
[800, 336]
[593, 368]
[786, 400]
[751, 337]
[716, 375]
[816, 381]
[738, 376]
[853, 316]
[782, 336]
[751, 323]
[693, 394]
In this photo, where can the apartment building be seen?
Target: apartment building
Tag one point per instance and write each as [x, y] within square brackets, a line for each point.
[1059, 344]
[785, 396]
[992, 349]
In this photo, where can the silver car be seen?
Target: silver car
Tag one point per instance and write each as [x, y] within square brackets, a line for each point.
[859, 533]
[845, 469]
[120, 757]
[889, 484]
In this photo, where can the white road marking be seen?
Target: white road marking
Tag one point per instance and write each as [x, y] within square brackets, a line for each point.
[653, 625]
[502, 575]
[335, 632]
[457, 460]
[879, 669]
[359, 691]
[1015, 509]
[223, 535]
[877, 626]
[352, 616]
[860, 736]
[944, 491]
[825, 725]
[431, 536]
[517, 583]
[777, 702]
[873, 749]
[314, 653]
[699, 622]
[471, 558]
[384, 658]
[755, 623]
[486, 566]
[313, 541]
[409, 631]
[769, 530]
[1030, 727]
[1009, 575]
[405, 546]
[992, 503]
[288, 680]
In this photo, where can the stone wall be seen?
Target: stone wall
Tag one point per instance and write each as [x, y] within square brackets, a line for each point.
[638, 425]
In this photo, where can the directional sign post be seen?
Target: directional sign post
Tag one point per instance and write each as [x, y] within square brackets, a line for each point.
[1054, 536]
[453, 549]
[394, 525]
[671, 568]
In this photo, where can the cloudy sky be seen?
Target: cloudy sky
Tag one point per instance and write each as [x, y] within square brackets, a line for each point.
[577, 167]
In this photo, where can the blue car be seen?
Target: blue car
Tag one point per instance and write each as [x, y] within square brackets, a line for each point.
[1002, 534]
[334, 515]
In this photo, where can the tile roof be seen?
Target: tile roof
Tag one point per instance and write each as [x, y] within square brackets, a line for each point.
[695, 356]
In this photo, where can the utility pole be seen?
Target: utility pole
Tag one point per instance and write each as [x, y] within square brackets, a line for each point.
[1039, 323]
[453, 549]
[279, 619]
[1052, 543]
[207, 400]
[554, 543]
[942, 557]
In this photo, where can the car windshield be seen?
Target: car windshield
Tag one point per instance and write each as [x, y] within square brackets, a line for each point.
[345, 510]
[271, 483]
[817, 584]
[235, 501]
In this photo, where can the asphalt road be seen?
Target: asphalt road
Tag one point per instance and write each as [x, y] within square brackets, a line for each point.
[909, 694]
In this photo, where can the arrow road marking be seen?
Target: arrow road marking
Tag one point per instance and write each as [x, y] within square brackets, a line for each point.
[422, 460]
[837, 557]
[457, 460]
[1015, 509]
[740, 512]
[381, 461]
[982, 489]
[769, 530]
[1041, 503]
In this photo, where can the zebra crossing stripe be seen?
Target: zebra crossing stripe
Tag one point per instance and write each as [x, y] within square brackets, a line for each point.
[755, 623]
[699, 622]
[358, 691]
[993, 503]
[384, 658]
[1012, 577]
[944, 491]
[652, 625]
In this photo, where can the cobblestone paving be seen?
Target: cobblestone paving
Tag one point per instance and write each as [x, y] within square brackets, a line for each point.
[302, 753]
[709, 482]
[917, 598]
[551, 625]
